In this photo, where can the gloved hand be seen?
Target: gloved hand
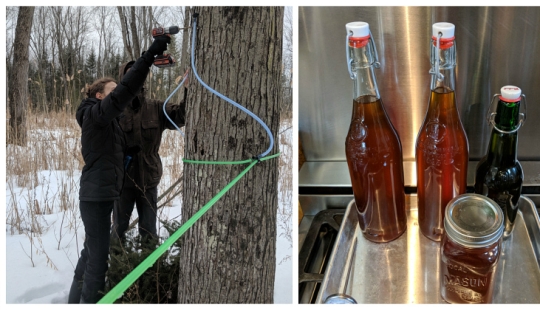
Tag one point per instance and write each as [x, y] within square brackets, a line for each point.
[157, 48]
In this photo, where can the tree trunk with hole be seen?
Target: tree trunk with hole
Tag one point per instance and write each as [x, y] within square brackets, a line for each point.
[18, 80]
[229, 255]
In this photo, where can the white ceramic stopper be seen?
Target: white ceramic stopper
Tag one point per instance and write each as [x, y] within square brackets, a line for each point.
[358, 29]
[447, 30]
[510, 92]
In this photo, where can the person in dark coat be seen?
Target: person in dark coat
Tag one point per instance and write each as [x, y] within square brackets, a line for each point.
[143, 124]
[103, 150]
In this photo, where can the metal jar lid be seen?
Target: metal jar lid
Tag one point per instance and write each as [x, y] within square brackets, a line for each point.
[473, 220]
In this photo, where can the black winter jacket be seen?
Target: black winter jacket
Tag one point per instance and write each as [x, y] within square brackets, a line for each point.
[103, 142]
[143, 123]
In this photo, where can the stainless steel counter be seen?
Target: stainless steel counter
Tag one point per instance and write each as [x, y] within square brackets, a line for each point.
[406, 270]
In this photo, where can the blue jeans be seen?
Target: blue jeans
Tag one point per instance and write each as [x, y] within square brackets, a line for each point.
[92, 265]
[146, 208]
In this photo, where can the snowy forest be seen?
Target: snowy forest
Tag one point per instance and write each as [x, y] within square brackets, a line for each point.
[68, 49]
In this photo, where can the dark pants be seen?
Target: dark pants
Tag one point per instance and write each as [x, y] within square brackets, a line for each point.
[146, 208]
[89, 279]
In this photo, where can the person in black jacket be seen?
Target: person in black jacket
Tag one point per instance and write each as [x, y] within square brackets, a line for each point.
[143, 124]
[103, 150]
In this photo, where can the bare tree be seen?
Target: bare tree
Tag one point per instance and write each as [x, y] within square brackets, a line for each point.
[125, 34]
[18, 82]
[104, 22]
[286, 108]
[11, 22]
[38, 45]
[70, 31]
[229, 254]
[136, 26]
[134, 33]
[63, 38]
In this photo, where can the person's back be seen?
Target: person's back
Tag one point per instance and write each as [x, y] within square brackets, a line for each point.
[102, 147]
[143, 123]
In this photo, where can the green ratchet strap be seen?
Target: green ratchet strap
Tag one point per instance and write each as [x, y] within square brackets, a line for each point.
[247, 161]
[121, 287]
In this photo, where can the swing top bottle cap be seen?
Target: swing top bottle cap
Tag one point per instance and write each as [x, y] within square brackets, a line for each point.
[447, 30]
[510, 93]
[358, 29]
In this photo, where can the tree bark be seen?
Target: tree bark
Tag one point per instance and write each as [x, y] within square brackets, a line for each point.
[228, 256]
[184, 62]
[18, 88]
[136, 45]
[125, 33]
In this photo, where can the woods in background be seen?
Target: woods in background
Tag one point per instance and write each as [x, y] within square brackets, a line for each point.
[70, 47]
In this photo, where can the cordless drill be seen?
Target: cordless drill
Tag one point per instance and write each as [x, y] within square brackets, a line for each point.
[165, 60]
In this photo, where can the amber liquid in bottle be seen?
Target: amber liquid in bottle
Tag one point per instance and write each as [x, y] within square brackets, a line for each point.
[468, 273]
[442, 154]
[374, 157]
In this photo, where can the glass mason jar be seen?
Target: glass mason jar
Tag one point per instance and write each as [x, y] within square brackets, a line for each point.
[470, 249]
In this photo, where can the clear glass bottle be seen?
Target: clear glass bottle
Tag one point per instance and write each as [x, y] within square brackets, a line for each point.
[442, 149]
[470, 249]
[372, 146]
[499, 175]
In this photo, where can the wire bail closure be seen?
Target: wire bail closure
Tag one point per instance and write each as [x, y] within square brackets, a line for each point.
[522, 116]
[376, 62]
[349, 60]
[435, 71]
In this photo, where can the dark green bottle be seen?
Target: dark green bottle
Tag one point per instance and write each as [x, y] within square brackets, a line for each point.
[499, 175]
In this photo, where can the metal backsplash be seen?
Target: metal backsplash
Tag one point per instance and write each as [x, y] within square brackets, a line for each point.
[496, 46]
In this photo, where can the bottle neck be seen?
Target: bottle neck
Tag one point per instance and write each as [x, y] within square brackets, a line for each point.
[507, 117]
[442, 103]
[502, 149]
[443, 75]
[363, 59]
[503, 146]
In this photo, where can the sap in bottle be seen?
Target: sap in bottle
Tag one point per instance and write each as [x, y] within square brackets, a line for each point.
[372, 146]
[442, 149]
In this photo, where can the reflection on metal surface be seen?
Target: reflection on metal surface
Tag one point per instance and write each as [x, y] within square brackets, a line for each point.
[497, 46]
[315, 252]
[413, 255]
[407, 268]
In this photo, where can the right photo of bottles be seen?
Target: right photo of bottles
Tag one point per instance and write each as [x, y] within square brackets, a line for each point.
[419, 180]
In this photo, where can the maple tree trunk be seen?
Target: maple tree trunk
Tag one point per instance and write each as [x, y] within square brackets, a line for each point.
[18, 79]
[229, 255]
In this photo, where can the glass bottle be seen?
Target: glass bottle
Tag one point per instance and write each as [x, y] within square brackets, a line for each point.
[372, 146]
[470, 249]
[442, 149]
[499, 175]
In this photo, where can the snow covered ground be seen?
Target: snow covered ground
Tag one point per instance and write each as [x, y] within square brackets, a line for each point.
[44, 233]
